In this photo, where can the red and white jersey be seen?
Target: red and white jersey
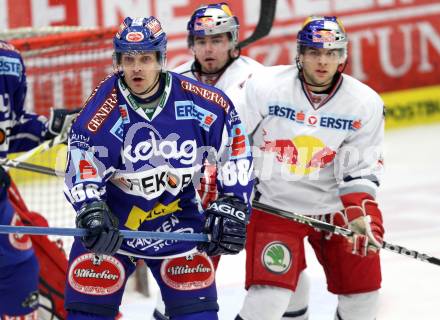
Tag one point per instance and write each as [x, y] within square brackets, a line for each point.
[309, 149]
[232, 81]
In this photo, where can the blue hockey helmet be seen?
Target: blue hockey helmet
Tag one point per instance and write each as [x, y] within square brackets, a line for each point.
[141, 34]
[322, 32]
[213, 19]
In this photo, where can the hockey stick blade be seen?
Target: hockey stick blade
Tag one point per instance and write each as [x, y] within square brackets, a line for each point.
[264, 25]
[324, 226]
[77, 232]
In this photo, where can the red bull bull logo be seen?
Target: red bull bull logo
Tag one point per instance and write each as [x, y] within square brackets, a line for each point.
[304, 154]
[285, 150]
[321, 158]
[204, 23]
[324, 36]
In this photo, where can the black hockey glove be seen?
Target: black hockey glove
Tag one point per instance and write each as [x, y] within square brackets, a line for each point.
[103, 234]
[226, 220]
[59, 123]
[5, 180]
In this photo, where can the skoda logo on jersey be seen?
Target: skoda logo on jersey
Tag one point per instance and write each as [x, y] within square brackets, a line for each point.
[168, 148]
[276, 257]
[134, 37]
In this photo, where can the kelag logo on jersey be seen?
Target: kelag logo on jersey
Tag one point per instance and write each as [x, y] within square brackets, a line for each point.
[139, 148]
[187, 110]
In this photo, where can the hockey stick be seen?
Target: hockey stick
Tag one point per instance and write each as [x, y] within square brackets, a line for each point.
[19, 162]
[318, 224]
[13, 163]
[265, 21]
[77, 232]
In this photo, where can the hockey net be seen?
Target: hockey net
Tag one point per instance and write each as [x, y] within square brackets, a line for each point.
[63, 66]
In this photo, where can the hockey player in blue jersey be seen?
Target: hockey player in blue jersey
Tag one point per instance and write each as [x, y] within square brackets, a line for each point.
[19, 131]
[134, 161]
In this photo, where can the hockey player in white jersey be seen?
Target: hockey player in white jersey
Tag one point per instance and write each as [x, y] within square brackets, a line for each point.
[318, 135]
[213, 39]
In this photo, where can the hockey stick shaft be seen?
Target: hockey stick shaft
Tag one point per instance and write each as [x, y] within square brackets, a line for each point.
[324, 226]
[77, 232]
[14, 163]
[19, 162]
[265, 21]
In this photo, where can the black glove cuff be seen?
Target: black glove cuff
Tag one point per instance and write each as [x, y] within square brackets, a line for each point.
[93, 214]
[230, 207]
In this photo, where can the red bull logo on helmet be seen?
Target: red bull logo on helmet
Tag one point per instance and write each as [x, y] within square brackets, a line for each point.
[204, 23]
[323, 36]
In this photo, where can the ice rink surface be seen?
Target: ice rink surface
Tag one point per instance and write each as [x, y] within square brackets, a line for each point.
[410, 201]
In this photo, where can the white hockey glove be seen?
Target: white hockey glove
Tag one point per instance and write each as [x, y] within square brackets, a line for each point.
[60, 122]
[361, 215]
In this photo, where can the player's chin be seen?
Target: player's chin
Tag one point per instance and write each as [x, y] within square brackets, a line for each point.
[322, 81]
[212, 67]
[138, 86]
